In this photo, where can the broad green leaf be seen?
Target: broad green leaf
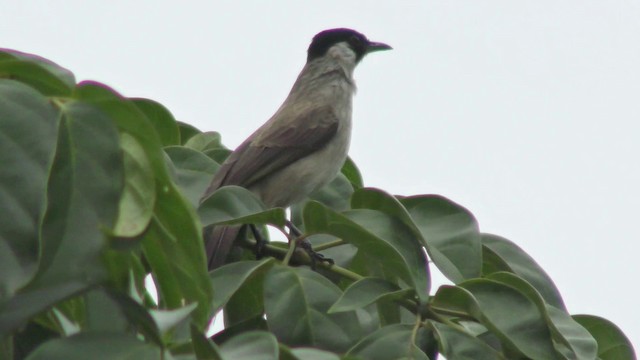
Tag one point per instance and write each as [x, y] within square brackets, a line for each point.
[174, 248]
[43, 75]
[232, 205]
[83, 191]
[391, 342]
[161, 119]
[612, 343]
[256, 323]
[311, 354]
[129, 119]
[296, 302]
[335, 194]
[367, 291]
[68, 327]
[187, 131]
[204, 141]
[193, 171]
[254, 345]
[139, 195]
[227, 279]
[380, 235]
[571, 338]
[352, 173]
[459, 345]
[98, 346]
[508, 313]
[500, 254]
[28, 130]
[450, 234]
[204, 348]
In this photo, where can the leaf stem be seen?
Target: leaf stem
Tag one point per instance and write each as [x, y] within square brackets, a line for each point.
[329, 245]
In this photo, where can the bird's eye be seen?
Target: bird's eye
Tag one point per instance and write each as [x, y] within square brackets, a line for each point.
[355, 40]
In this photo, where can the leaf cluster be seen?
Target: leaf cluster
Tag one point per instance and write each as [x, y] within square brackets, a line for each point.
[100, 198]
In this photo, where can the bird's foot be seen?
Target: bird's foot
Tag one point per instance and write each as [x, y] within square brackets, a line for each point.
[316, 257]
[261, 243]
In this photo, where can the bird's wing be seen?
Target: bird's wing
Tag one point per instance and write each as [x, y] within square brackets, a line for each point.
[276, 147]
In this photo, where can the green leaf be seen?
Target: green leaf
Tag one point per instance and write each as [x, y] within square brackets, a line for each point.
[367, 291]
[232, 205]
[460, 345]
[500, 254]
[313, 354]
[193, 171]
[204, 141]
[390, 342]
[253, 345]
[508, 313]
[82, 198]
[139, 195]
[169, 319]
[335, 194]
[352, 173]
[296, 302]
[450, 234]
[379, 235]
[43, 75]
[28, 133]
[204, 348]
[227, 279]
[98, 346]
[570, 338]
[187, 131]
[161, 119]
[612, 343]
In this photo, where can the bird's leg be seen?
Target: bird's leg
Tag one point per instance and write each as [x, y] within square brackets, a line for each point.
[304, 244]
[260, 241]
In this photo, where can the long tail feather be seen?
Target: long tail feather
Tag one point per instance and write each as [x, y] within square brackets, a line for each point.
[219, 241]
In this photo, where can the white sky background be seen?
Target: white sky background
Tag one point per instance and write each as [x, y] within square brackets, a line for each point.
[525, 112]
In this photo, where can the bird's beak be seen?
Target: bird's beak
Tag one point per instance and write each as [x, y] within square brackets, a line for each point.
[377, 46]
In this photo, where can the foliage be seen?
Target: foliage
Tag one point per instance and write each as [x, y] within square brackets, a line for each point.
[99, 192]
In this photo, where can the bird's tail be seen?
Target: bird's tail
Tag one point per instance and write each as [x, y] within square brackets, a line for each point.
[218, 243]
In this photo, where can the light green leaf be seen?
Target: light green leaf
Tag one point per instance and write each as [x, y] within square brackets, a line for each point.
[254, 345]
[612, 343]
[232, 205]
[227, 279]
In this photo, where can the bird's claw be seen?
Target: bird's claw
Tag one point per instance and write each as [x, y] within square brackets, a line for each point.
[315, 256]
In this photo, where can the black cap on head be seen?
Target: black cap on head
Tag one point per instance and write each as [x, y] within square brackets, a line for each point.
[357, 41]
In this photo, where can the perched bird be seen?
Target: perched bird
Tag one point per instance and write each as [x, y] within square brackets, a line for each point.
[303, 146]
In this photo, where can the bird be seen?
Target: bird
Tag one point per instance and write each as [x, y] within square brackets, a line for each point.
[303, 146]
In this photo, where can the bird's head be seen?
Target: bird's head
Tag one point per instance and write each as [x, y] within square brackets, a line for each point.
[340, 39]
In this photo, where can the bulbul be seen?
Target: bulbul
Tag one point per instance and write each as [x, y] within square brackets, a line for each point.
[303, 146]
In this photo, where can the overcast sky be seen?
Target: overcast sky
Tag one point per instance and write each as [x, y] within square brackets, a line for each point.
[525, 112]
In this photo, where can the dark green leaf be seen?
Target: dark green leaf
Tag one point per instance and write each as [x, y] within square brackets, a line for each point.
[204, 348]
[366, 291]
[390, 342]
[313, 354]
[460, 345]
[570, 338]
[169, 319]
[296, 302]
[204, 141]
[254, 345]
[231, 205]
[43, 75]
[336, 194]
[193, 171]
[381, 236]
[98, 346]
[187, 131]
[227, 279]
[28, 130]
[499, 253]
[508, 313]
[450, 234]
[161, 119]
[139, 195]
[612, 343]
